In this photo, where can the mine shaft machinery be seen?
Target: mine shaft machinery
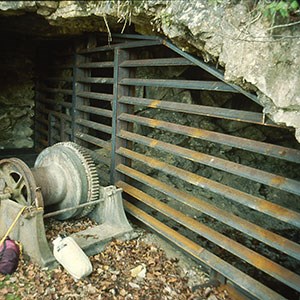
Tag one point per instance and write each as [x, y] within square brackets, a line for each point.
[63, 176]
[64, 181]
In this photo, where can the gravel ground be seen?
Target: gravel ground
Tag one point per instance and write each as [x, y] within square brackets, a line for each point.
[134, 269]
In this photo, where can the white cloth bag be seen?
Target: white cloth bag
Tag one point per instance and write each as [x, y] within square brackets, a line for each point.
[68, 253]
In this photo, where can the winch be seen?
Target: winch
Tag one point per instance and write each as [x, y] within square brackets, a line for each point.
[64, 182]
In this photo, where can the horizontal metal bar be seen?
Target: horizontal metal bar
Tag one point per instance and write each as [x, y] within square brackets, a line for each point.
[274, 240]
[58, 212]
[135, 44]
[100, 158]
[42, 131]
[210, 69]
[209, 111]
[95, 110]
[101, 80]
[96, 65]
[97, 96]
[94, 125]
[266, 265]
[136, 36]
[44, 142]
[157, 62]
[217, 86]
[93, 140]
[40, 118]
[53, 102]
[239, 278]
[55, 113]
[55, 90]
[288, 154]
[279, 182]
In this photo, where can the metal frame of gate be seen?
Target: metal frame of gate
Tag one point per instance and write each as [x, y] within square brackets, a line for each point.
[87, 96]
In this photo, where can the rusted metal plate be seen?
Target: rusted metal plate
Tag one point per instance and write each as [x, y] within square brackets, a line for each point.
[288, 154]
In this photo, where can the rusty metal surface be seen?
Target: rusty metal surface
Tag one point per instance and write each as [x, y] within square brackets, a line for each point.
[95, 110]
[274, 240]
[217, 86]
[96, 65]
[156, 62]
[275, 270]
[292, 155]
[209, 111]
[111, 47]
[239, 278]
[101, 80]
[93, 95]
[286, 184]
[93, 140]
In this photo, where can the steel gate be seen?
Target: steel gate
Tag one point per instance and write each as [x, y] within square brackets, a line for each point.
[99, 97]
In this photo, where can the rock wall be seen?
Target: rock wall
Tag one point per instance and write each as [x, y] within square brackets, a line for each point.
[234, 36]
[16, 94]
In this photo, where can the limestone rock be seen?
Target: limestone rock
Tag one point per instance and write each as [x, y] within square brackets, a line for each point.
[225, 33]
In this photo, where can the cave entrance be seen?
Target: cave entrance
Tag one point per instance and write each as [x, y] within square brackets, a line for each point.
[196, 157]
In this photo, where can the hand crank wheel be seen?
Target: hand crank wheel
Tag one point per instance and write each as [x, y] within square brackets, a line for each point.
[19, 182]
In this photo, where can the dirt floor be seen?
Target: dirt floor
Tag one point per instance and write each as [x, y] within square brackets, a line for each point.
[145, 267]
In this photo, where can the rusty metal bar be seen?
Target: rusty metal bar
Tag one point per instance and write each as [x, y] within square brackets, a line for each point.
[95, 110]
[288, 154]
[96, 65]
[268, 266]
[239, 278]
[94, 125]
[93, 140]
[217, 86]
[99, 158]
[100, 80]
[42, 131]
[274, 240]
[279, 182]
[55, 113]
[208, 111]
[134, 44]
[41, 118]
[210, 69]
[53, 102]
[157, 62]
[97, 96]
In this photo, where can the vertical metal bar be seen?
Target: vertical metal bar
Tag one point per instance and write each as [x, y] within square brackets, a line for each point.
[74, 98]
[118, 108]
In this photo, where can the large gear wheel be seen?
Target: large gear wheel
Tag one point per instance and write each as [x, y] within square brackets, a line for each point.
[71, 178]
[91, 175]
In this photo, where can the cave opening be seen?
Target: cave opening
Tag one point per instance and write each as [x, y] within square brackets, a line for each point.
[37, 110]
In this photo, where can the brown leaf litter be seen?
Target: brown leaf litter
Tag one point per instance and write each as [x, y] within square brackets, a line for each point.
[130, 269]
